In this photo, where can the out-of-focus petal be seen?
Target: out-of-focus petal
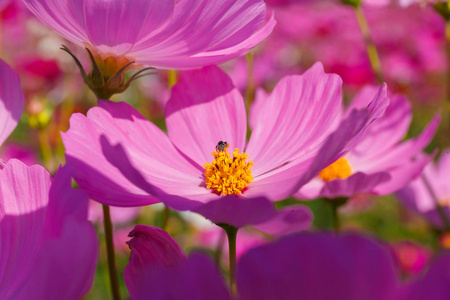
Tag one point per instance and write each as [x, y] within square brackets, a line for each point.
[357, 183]
[11, 100]
[203, 32]
[287, 220]
[23, 203]
[197, 278]
[317, 267]
[45, 265]
[435, 284]
[205, 108]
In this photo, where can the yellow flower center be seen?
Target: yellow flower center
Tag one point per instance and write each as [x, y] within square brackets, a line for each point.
[226, 175]
[339, 169]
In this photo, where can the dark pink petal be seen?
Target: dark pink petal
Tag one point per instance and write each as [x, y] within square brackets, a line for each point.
[197, 278]
[317, 267]
[238, 211]
[205, 108]
[11, 100]
[152, 249]
[23, 204]
[295, 119]
[435, 284]
[287, 220]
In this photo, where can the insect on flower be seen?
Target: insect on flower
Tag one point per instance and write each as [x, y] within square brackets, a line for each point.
[221, 146]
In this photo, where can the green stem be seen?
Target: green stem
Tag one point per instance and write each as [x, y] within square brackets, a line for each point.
[250, 93]
[439, 208]
[370, 45]
[110, 253]
[335, 216]
[231, 234]
[165, 217]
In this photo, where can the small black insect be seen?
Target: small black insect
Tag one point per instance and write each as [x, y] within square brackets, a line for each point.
[221, 146]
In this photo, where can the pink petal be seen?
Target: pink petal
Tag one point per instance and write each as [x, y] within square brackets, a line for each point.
[11, 100]
[150, 149]
[206, 32]
[287, 220]
[357, 183]
[317, 267]
[198, 278]
[47, 226]
[23, 203]
[237, 211]
[107, 23]
[295, 119]
[435, 284]
[205, 108]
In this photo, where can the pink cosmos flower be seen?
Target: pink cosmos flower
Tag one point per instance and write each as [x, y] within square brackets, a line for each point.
[292, 140]
[42, 221]
[381, 163]
[302, 266]
[418, 197]
[159, 33]
[11, 101]
[410, 258]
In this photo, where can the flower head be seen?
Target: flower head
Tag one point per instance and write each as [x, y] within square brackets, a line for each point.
[297, 131]
[381, 162]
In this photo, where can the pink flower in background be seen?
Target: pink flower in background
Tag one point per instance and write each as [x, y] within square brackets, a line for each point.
[410, 258]
[382, 162]
[293, 138]
[42, 222]
[159, 33]
[418, 196]
[11, 101]
[23, 153]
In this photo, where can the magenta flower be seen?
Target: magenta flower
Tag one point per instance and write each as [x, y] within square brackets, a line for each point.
[42, 221]
[292, 140]
[420, 198]
[381, 163]
[11, 101]
[159, 33]
[157, 262]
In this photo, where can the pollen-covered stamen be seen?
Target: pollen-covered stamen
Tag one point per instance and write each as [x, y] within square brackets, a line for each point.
[228, 175]
[339, 169]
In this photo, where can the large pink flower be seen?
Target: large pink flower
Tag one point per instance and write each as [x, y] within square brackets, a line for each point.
[42, 221]
[381, 163]
[159, 33]
[292, 140]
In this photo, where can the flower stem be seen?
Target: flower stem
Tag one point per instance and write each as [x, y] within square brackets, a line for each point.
[165, 217]
[439, 208]
[250, 93]
[231, 234]
[110, 253]
[370, 45]
[335, 217]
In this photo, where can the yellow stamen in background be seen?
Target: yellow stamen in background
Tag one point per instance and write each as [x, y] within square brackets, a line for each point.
[226, 175]
[339, 169]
